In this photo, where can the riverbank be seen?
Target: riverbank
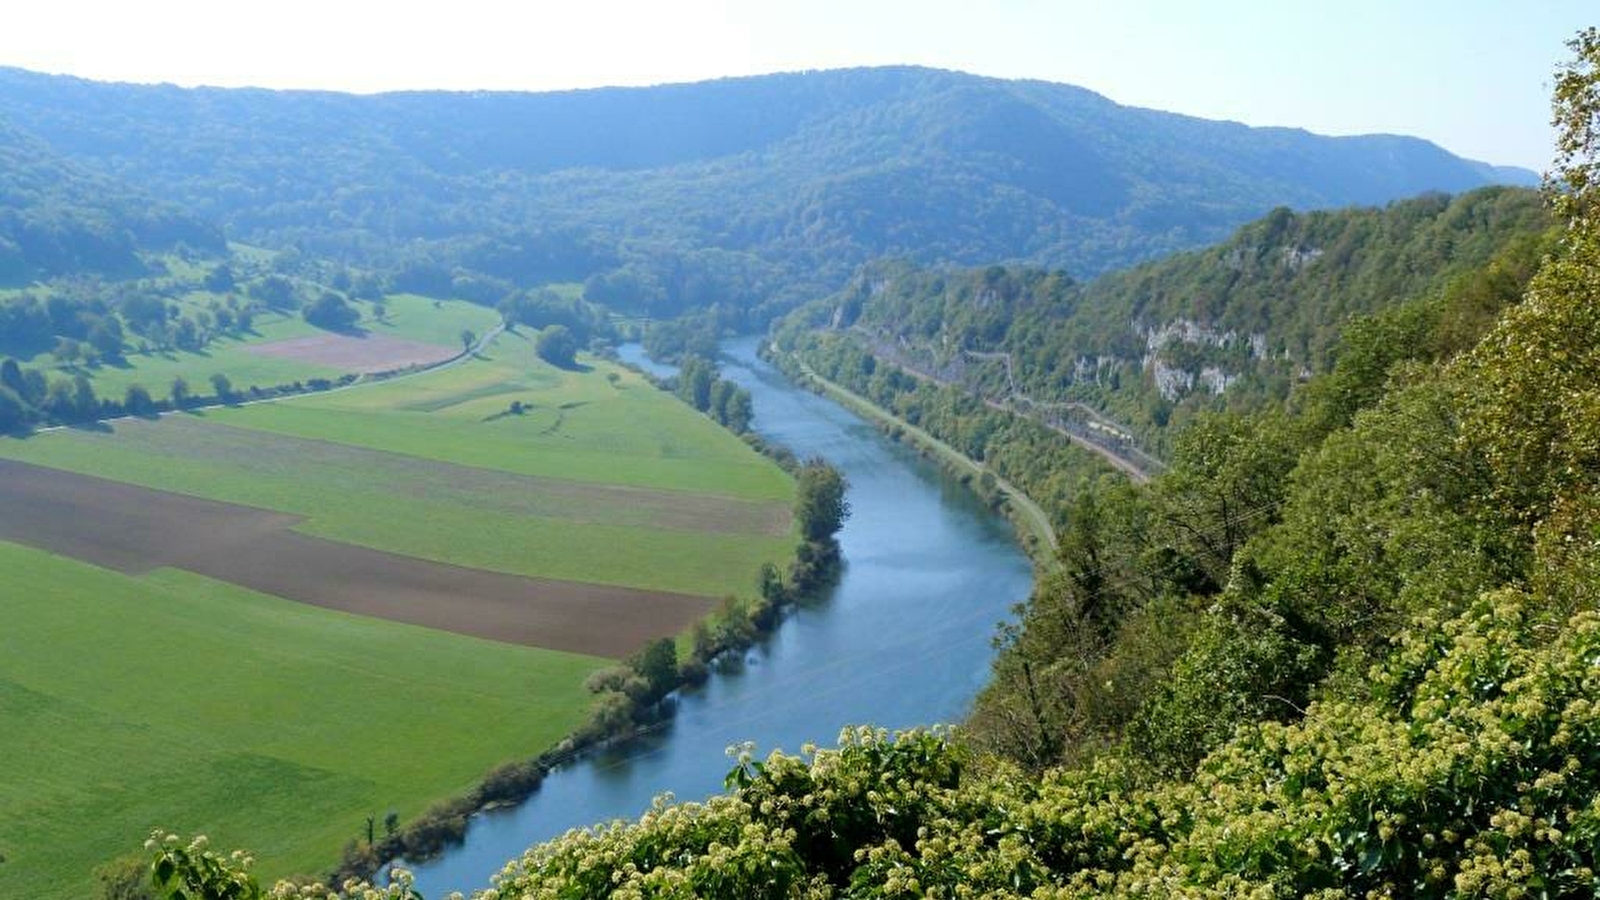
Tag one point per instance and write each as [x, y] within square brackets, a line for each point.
[904, 638]
[631, 700]
[1034, 531]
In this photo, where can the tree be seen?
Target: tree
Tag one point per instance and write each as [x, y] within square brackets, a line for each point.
[467, 340]
[127, 878]
[557, 346]
[739, 412]
[721, 397]
[180, 392]
[13, 414]
[137, 400]
[1575, 182]
[106, 337]
[83, 397]
[820, 504]
[220, 280]
[222, 386]
[11, 376]
[657, 664]
[59, 401]
[696, 378]
[330, 311]
[68, 351]
[275, 291]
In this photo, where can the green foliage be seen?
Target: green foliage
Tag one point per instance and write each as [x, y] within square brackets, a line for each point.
[544, 307]
[64, 219]
[1576, 102]
[754, 193]
[657, 664]
[137, 400]
[695, 378]
[125, 878]
[1344, 646]
[820, 504]
[1369, 464]
[1479, 781]
[13, 413]
[193, 872]
[1153, 346]
[557, 346]
[1035, 457]
[332, 312]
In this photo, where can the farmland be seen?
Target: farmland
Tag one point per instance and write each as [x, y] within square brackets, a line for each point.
[173, 698]
[596, 513]
[247, 360]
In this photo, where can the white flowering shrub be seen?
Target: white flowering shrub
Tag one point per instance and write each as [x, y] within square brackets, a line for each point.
[1473, 774]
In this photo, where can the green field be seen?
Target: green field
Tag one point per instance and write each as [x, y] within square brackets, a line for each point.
[406, 316]
[584, 427]
[178, 701]
[170, 699]
[578, 426]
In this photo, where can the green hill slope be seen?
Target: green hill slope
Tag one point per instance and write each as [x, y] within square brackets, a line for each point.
[1235, 325]
[1326, 654]
[770, 187]
[59, 218]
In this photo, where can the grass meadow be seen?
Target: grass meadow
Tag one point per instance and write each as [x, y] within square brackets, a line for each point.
[405, 316]
[683, 532]
[582, 426]
[169, 699]
[173, 700]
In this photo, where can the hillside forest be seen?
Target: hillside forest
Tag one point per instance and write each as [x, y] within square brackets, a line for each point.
[1342, 642]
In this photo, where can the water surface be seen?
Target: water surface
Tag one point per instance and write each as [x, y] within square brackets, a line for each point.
[902, 640]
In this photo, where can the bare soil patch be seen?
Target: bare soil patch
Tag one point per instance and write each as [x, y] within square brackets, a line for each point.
[134, 530]
[355, 353]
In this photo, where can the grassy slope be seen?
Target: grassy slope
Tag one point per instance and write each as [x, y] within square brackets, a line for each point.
[625, 434]
[628, 434]
[174, 700]
[406, 316]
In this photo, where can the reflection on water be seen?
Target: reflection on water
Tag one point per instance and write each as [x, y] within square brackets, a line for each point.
[902, 640]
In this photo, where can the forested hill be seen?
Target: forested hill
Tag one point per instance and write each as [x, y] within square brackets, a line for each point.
[764, 187]
[1324, 655]
[1236, 325]
[58, 219]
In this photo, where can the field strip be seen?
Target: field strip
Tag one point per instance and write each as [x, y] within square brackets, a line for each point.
[483, 342]
[365, 354]
[133, 529]
[337, 466]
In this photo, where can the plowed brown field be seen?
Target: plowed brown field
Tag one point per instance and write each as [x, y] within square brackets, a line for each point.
[134, 529]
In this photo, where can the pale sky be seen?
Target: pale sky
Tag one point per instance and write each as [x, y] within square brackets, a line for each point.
[1472, 75]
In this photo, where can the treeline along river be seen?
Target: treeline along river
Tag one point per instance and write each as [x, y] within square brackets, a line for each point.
[904, 638]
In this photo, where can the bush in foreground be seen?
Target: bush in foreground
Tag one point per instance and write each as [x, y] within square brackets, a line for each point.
[1474, 774]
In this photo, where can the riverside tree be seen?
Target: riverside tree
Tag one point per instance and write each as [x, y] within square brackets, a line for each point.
[820, 503]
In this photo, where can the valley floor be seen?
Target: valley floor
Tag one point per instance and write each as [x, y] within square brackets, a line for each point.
[155, 671]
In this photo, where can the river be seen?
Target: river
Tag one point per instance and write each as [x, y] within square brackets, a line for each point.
[903, 639]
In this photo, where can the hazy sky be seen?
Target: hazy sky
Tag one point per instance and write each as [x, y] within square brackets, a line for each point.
[1472, 75]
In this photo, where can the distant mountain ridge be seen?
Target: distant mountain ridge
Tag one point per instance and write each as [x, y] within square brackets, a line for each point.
[746, 188]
